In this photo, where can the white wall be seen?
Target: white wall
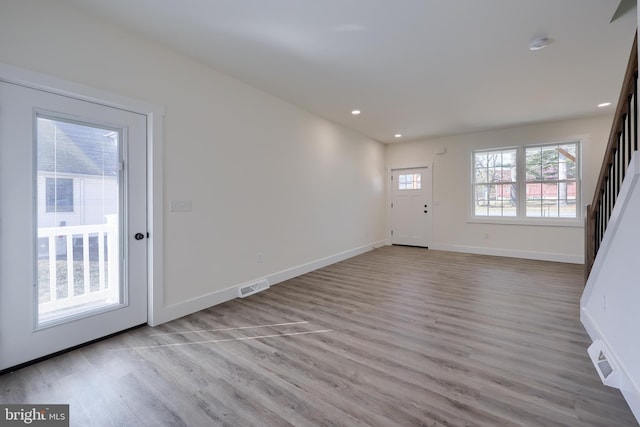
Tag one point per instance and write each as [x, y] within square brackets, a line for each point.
[609, 304]
[268, 181]
[451, 189]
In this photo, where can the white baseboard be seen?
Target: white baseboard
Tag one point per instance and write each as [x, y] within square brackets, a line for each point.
[632, 396]
[511, 253]
[290, 273]
[183, 308]
[627, 386]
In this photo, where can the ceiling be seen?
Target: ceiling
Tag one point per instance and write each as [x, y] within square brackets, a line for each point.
[421, 68]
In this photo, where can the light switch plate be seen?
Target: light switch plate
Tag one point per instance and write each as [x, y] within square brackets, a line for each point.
[181, 206]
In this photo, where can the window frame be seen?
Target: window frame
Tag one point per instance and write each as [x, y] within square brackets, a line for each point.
[521, 183]
[415, 182]
[499, 183]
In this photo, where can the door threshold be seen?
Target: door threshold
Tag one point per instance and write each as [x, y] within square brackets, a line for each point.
[15, 368]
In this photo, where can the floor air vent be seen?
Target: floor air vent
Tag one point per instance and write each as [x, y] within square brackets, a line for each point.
[254, 288]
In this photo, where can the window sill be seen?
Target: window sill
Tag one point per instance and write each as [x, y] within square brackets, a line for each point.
[549, 222]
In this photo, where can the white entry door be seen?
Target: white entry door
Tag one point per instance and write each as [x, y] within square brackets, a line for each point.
[73, 233]
[411, 210]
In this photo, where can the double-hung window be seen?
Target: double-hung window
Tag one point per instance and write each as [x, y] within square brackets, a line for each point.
[533, 182]
[495, 186]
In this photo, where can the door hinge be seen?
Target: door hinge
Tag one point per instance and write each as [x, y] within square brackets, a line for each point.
[391, 177]
[392, 232]
[391, 204]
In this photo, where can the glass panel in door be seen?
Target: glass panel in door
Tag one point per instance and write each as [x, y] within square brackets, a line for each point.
[78, 228]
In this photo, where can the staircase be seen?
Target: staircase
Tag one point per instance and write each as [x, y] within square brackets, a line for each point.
[610, 304]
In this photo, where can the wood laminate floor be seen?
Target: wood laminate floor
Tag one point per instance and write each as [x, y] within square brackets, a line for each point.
[395, 337]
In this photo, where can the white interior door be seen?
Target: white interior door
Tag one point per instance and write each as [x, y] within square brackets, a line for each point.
[411, 206]
[73, 247]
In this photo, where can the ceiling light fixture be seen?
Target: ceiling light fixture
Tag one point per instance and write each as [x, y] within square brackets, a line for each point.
[604, 104]
[539, 43]
[355, 112]
[397, 135]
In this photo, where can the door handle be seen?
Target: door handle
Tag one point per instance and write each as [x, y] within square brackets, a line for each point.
[139, 236]
[426, 211]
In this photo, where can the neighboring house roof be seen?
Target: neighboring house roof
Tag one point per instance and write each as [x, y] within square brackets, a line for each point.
[74, 148]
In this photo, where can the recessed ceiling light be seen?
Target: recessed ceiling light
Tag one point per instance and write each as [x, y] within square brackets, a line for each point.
[604, 104]
[355, 112]
[397, 135]
[539, 43]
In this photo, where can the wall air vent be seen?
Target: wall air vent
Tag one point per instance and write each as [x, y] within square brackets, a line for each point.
[252, 288]
[605, 367]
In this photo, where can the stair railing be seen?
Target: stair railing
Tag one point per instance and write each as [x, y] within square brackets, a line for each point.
[623, 141]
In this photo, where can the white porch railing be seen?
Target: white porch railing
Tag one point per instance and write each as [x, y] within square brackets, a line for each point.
[107, 286]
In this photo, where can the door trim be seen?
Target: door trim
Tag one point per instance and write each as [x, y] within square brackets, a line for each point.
[155, 197]
[388, 172]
